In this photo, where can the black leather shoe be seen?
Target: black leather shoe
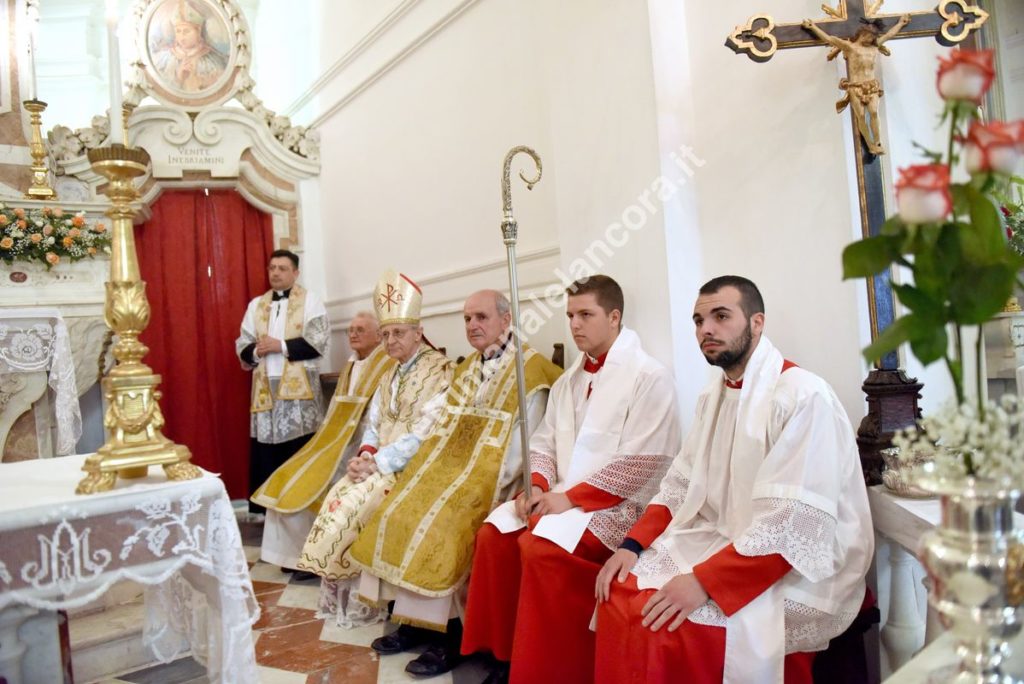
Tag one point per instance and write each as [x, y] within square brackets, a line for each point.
[402, 639]
[434, 661]
[498, 674]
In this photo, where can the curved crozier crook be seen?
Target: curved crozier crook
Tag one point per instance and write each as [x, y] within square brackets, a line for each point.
[506, 183]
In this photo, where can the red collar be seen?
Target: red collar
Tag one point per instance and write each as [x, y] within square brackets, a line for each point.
[738, 384]
[591, 365]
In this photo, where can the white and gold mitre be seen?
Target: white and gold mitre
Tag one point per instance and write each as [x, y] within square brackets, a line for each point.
[397, 299]
[186, 13]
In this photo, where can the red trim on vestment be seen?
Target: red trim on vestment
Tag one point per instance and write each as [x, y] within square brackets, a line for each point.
[368, 449]
[538, 480]
[734, 580]
[591, 498]
[651, 524]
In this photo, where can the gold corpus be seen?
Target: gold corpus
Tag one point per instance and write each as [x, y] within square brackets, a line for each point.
[1012, 305]
[40, 188]
[133, 417]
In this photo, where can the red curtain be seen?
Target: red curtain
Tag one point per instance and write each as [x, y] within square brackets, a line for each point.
[203, 256]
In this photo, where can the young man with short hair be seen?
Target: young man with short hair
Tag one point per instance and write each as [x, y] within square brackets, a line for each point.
[609, 432]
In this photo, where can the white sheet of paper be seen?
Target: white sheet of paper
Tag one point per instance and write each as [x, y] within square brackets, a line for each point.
[505, 519]
[565, 529]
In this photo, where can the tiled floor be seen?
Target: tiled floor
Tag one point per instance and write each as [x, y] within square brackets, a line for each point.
[294, 647]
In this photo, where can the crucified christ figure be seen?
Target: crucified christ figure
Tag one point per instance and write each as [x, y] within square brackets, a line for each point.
[863, 90]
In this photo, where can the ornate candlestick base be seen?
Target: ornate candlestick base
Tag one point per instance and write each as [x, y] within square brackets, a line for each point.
[133, 415]
[40, 188]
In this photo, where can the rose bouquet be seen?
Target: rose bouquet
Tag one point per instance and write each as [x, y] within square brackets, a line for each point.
[49, 235]
[950, 238]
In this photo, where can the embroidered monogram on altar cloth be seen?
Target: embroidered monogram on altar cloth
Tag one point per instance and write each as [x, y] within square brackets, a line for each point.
[178, 539]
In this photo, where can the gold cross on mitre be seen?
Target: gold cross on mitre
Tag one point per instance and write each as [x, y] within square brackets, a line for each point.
[397, 299]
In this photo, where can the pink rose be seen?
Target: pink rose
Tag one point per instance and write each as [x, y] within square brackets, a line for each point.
[922, 193]
[995, 146]
[965, 75]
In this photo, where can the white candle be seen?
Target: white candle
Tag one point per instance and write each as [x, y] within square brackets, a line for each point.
[114, 50]
[33, 27]
[32, 89]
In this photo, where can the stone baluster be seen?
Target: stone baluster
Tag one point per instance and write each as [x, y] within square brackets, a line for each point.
[903, 633]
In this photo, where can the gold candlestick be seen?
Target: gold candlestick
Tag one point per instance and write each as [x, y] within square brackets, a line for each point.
[133, 417]
[40, 188]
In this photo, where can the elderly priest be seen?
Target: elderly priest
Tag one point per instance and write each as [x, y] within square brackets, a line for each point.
[294, 493]
[402, 413]
[418, 547]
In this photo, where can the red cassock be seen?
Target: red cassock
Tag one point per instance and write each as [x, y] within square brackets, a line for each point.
[629, 652]
[530, 602]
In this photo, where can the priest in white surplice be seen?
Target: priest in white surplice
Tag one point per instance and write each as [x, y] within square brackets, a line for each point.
[284, 335]
[609, 432]
[753, 554]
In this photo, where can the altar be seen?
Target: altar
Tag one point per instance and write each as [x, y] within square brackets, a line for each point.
[178, 539]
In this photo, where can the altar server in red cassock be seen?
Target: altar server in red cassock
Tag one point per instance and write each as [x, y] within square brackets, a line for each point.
[608, 434]
[753, 554]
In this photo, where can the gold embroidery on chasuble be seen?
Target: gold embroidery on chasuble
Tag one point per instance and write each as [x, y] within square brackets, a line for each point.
[294, 383]
[302, 481]
[428, 376]
[349, 505]
[423, 535]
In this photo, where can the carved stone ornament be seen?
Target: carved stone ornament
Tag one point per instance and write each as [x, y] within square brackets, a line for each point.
[193, 58]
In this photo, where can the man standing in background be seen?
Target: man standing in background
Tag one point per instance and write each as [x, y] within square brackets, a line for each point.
[284, 334]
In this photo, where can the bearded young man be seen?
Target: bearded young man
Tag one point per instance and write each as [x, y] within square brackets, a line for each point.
[609, 432]
[753, 554]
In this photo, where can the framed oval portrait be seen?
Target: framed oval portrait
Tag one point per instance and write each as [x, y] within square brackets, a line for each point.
[188, 48]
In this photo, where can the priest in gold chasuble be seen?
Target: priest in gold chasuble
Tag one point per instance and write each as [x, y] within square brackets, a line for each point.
[401, 415]
[283, 336]
[294, 493]
[418, 547]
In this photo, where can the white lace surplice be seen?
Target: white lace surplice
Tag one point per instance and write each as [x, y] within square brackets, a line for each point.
[179, 539]
[33, 340]
[790, 504]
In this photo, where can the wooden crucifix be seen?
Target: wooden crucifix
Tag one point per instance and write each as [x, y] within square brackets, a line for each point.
[857, 30]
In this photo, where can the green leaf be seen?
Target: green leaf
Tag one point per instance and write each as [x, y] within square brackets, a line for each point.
[869, 256]
[891, 338]
[894, 225]
[982, 241]
[918, 301]
[961, 199]
[930, 346]
[980, 292]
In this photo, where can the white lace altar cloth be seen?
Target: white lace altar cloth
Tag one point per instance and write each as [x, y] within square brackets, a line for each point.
[179, 539]
[33, 340]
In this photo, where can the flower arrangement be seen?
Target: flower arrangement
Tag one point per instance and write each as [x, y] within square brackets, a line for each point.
[1014, 213]
[49, 235]
[951, 239]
